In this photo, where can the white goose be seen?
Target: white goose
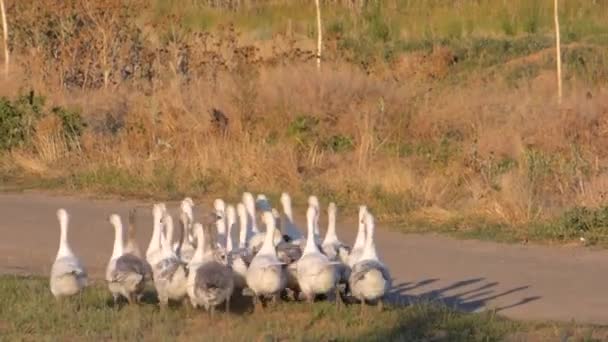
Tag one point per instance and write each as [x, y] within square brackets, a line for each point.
[170, 273]
[357, 249]
[316, 274]
[290, 228]
[126, 274]
[369, 280]
[154, 252]
[68, 276]
[210, 283]
[265, 275]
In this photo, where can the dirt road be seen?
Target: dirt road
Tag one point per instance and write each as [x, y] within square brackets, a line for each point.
[521, 282]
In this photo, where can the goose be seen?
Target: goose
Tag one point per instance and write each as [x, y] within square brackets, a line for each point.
[293, 233]
[154, 252]
[265, 276]
[132, 246]
[240, 258]
[357, 249]
[370, 279]
[316, 274]
[68, 276]
[170, 273]
[250, 206]
[210, 283]
[126, 274]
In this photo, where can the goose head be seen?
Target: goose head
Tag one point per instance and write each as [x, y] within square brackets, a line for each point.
[314, 201]
[63, 217]
[186, 206]
[115, 221]
[157, 211]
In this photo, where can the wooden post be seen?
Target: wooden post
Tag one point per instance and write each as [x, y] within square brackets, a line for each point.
[319, 34]
[558, 51]
[5, 34]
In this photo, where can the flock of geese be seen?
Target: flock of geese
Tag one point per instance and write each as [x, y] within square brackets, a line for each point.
[200, 262]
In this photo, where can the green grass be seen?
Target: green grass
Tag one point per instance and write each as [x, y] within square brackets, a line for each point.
[29, 312]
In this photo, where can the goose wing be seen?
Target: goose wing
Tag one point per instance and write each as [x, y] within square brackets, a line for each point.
[360, 269]
[288, 252]
[167, 268]
[68, 266]
[130, 269]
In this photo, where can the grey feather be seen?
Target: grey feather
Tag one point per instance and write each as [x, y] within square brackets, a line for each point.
[213, 275]
[360, 269]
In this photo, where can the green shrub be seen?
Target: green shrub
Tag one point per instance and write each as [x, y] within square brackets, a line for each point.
[17, 119]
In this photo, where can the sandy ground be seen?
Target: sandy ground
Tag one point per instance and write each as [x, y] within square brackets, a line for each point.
[520, 282]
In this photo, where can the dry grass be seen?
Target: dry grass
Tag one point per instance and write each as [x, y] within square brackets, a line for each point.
[464, 127]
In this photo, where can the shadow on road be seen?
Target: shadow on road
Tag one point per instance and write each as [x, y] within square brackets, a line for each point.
[469, 295]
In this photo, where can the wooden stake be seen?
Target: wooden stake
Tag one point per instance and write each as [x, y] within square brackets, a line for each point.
[558, 51]
[319, 34]
[5, 34]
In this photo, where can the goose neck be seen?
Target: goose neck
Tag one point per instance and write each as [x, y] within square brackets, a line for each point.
[311, 245]
[155, 240]
[118, 241]
[64, 248]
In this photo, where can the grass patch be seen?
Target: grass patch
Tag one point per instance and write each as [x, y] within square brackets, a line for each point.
[30, 312]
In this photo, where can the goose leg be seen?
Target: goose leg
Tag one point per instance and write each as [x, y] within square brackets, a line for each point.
[212, 311]
[362, 310]
[274, 300]
[380, 305]
[338, 298]
[115, 298]
[228, 305]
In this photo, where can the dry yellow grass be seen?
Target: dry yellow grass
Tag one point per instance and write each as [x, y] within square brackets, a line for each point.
[421, 135]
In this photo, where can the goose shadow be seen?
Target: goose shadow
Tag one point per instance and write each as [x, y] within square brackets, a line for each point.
[468, 295]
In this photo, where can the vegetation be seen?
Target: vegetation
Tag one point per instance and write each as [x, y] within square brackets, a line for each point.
[25, 316]
[440, 114]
